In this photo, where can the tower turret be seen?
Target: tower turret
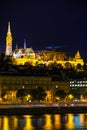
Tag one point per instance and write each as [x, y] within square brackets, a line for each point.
[78, 59]
[77, 55]
[8, 41]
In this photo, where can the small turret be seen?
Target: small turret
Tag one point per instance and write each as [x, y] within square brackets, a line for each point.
[77, 55]
[78, 59]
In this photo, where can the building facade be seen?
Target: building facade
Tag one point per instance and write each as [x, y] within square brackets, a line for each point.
[10, 84]
[77, 84]
[21, 56]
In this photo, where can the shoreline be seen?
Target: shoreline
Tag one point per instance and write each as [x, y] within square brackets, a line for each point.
[41, 110]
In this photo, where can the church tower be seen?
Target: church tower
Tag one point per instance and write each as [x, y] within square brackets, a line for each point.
[77, 55]
[8, 41]
[78, 58]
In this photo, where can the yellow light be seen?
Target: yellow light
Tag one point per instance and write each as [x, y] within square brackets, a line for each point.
[70, 123]
[28, 123]
[0, 123]
[5, 125]
[49, 96]
[15, 122]
[71, 96]
[57, 121]
[82, 118]
[28, 97]
[48, 123]
[58, 98]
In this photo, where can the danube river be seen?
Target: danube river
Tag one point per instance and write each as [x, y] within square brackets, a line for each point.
[44, 122]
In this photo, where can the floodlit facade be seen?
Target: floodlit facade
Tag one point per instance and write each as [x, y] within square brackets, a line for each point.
[12, 83]
[22, 56]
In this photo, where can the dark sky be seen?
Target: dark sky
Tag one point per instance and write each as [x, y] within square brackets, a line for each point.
[46, 23]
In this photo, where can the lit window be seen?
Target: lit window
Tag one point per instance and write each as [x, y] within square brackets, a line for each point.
[72, 81]
[83, 81]
[80, 81]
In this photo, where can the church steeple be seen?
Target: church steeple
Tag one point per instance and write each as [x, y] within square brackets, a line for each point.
[9, 29]
[9, 41]
[77, 55]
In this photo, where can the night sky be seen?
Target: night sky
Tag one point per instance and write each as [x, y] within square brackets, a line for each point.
[43, 23]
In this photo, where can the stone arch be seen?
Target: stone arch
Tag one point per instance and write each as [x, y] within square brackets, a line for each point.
[68, 65]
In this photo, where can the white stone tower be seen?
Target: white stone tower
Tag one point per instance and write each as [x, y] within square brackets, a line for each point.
[8, 41]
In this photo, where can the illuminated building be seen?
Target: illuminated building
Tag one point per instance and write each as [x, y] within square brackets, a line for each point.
[60, 58]
[21, 56]
[12, 83]
[74, 84]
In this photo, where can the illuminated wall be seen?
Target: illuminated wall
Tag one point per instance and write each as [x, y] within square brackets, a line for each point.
[35, 59]
[14, 82]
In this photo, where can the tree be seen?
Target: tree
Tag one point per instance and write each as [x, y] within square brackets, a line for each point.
[59, 66]
[21, 93]
[38, 94]
[60, 93]
[76, 93]
[3, 94]
[79, 66]
[68, 65]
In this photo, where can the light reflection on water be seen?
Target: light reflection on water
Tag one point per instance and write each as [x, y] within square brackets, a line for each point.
[44, 122]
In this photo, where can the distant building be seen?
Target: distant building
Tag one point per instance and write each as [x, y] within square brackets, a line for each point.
[12, 83]
[76, 84]
[22, 56]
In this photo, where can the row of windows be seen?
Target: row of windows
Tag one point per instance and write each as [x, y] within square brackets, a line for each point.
[72, 82]
[78, 85]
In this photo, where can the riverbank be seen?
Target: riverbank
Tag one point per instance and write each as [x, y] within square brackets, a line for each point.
[41, 110]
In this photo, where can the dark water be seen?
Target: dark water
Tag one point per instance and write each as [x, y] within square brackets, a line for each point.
[44, 122]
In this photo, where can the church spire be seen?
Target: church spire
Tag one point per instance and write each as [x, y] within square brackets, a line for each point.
[9, 29]
[77, 55]
[16, 47]
[9, 41]
[24, 43]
